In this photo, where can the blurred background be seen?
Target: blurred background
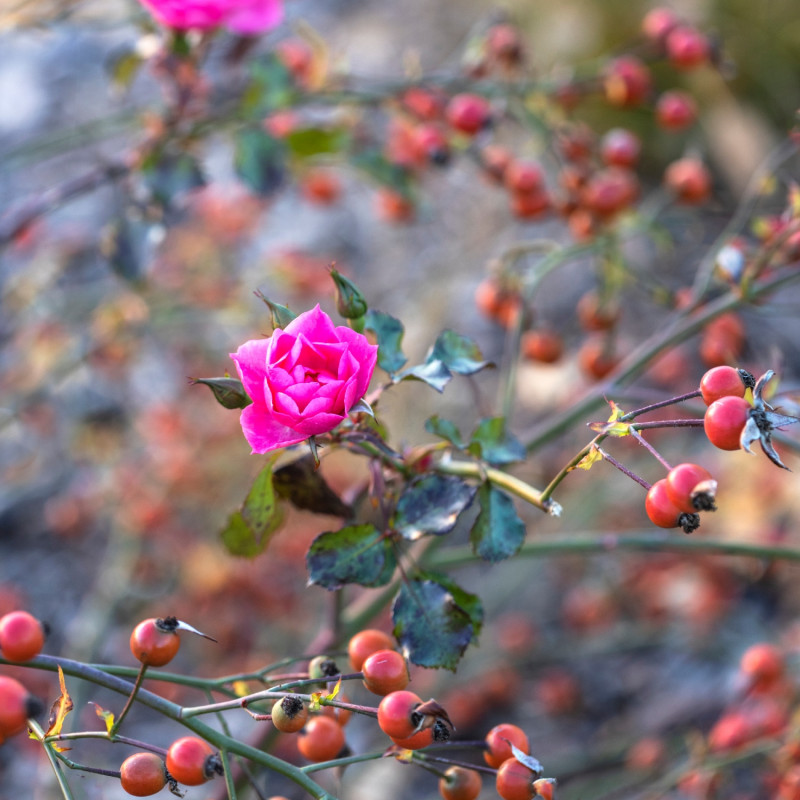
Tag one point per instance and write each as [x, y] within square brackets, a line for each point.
[117, 474]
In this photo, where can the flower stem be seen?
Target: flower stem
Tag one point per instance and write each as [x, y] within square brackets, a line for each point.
[471, 469]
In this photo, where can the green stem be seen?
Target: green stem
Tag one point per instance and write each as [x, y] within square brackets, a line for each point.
[472, 469]
[54, 763]
[277, 694]
[342, 762]
[600, 542]
[116, 739]
[129, 704]
[230, 785]
[681, 328]
[173, 711]
[555, 255]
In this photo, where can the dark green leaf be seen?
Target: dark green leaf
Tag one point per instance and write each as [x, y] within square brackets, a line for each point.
[498, 531]
[171, 175]
[356, 554]
[468, 602]
[229, 392]
[433, 372]
[458, 353]
[126, 245]
[431, 505]
[280, 316]
[445, 430]
[494, 444]
[248, 531]
[258, 160]
[307, 142]
[305, 488]
[431, 624]
[384, 172]
[389, 333]
[271, 87]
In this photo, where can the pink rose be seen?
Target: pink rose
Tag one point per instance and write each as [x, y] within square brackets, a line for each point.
[303, 380]
[247, 17]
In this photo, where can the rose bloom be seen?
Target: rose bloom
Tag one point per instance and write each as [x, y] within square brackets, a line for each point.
[247, 17]
[303, 380]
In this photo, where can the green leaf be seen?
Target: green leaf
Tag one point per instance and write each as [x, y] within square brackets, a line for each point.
[433, 372]
[228, 392]
[431, 505]
[389, 333]
[249, 530]
[258, 161]
[444, 429]
[498, 531]
[458, 353]
[384, 172]
[494, 444]
[126, 245]
[271, 87]
[431, 622]
[171, 175]
[303, 486]
[356, 554]
[308, 142]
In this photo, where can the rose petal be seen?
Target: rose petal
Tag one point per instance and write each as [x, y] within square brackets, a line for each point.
[315, 325]
[319, 423]
[365, 355]
[251, 361]
[256, 17]
[264, 433]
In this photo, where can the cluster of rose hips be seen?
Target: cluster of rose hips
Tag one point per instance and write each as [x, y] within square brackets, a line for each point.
[730, 423]
[410, 723]
[500, 298]
[21, 639]
[761, 710]
[596, 180]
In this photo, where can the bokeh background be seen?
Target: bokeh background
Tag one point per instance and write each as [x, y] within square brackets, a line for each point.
[116, 474]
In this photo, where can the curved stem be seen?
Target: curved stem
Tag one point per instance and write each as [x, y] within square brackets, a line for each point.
[471, 469]
[600, 542]
[682, 327]
[129, 703]
[54, 763]
[173, 711]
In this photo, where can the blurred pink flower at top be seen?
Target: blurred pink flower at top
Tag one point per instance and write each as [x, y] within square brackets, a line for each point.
[246, 17]
[303, 380]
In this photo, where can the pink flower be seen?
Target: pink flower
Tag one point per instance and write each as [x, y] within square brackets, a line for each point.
[247, 17]
[303, 380]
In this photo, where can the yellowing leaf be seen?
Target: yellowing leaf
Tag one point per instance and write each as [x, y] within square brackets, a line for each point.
[240, 687]
[59, 710]
[314, 704]
[105, 715]
[403, 755]
[613, 427]
[335, 690]
[589, 460]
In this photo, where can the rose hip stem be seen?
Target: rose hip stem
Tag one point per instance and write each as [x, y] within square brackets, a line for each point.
[129, 702]
[622, 468]
[647, 446]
